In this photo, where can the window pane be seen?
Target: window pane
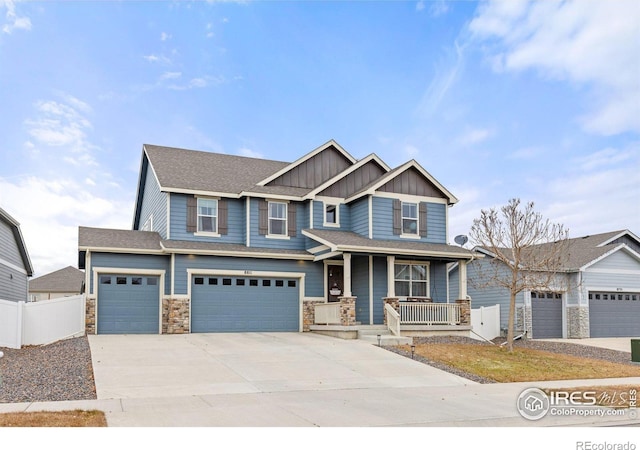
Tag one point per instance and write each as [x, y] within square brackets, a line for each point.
[419, 272]
[152, 281]
[402, 288]
[226, 281]
[207, 224]
[277, 210]
[402, 271]
[136, 281]
[207, 207]
[279, 283]
[198, 280]
[331, 213]
[121, 280]
[277, 227]
[409, 226]
[105, 280]
[419, 289]
[410, 210]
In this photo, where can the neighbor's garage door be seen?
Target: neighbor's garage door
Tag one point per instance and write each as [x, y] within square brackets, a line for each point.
[546, 311]
[612, 314]
[128, 304]
[221, 303]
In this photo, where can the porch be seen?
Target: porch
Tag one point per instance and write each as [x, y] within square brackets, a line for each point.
[402, 317]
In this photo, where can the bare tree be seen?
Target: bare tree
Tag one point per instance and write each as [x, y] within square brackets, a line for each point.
[527, 252]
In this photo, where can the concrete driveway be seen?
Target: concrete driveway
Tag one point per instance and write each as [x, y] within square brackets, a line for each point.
[291, 379]
[142, 366]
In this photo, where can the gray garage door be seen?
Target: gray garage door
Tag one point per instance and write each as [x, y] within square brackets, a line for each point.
[546, 311]
[612, 314]
[220, 304]
[128, 304]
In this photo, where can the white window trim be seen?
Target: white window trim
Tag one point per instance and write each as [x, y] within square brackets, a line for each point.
[324, 215]
[415, 235]
[412, 263]
[271, 235]
[198, 215]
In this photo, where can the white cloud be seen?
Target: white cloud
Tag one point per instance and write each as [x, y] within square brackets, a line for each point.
[250, 153]
[420, 5]
[438, 8]
[170, 75]
[475, 136]
[588, 43]
[50, 211]
[14, 22]
[603, 158]
[157, 59]
[165, 36]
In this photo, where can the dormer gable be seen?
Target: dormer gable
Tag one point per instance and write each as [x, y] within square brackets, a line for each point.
[408, 179]
[361, 174]
[313, 169]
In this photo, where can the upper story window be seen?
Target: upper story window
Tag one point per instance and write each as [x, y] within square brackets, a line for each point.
[411, 279]
[277, 219]
[410, 218]
[331, 215]
[207, 215]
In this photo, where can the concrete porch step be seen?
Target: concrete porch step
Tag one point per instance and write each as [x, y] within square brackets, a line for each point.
[385, 337]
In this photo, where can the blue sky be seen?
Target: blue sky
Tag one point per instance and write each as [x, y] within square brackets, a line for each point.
[496, 100]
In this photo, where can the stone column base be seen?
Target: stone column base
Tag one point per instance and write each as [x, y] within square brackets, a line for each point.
[90, 316]
[578, 322]
[347, 311]
[175, 316]
[309, 313]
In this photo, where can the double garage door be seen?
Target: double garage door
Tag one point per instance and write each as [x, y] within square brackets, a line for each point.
[614, 314]
[240, 304]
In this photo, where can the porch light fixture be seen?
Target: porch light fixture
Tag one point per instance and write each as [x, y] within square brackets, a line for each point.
[413, 350]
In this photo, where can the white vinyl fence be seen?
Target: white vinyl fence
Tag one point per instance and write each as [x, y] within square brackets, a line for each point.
[43, 322]
[485, 322]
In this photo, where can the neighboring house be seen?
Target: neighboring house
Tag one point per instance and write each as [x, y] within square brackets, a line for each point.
[229, 243]
[65, 282]
[597, 295]
[15, 265]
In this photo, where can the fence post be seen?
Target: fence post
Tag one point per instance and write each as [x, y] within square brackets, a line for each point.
[19, 324]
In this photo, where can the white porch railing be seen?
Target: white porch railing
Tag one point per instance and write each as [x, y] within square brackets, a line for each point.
[393, 319]
[429, 313]
[327, 314]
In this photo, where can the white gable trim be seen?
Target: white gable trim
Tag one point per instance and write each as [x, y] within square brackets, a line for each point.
[624, 247]
[391, 175]
[306, 157]
[344, 173]
[619, 235]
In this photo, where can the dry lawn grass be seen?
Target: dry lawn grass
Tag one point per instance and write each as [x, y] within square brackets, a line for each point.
[522, 364]
[77, 418]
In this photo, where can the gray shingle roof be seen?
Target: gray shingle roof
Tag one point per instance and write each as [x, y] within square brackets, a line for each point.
[585, 249]
[347, 241]
[210, 172]
[118, 239]
[67, 280]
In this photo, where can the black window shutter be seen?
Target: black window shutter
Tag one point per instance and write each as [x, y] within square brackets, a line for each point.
[291, 219]
[397, 217]
[263, 217]
[192, 214]
[422, 219]
[223, 217]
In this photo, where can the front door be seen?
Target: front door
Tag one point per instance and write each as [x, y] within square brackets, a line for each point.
[335, 283]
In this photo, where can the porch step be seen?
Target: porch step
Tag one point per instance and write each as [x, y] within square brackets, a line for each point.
[386, 337]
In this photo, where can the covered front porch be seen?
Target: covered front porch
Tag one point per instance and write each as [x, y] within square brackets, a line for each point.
[400, 287]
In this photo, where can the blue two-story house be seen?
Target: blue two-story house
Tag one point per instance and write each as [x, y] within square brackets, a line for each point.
[224, 243]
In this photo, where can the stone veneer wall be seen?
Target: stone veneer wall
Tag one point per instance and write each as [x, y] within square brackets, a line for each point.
[175, 316]
[578, 322]
[465, 311]
[523, 312]
[347, 311]
[90, 316]
[309, 313]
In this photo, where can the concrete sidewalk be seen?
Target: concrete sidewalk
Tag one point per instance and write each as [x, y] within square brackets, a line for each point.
[471, 405]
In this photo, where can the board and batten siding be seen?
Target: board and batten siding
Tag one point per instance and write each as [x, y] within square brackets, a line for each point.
[131, 261]
[314, 273]
[315, 170]
[355, 181]
[296, 242]
[154, 203]
[383, 221]
[235, 224]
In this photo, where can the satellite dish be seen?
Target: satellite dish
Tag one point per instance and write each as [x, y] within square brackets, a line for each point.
[461, 239]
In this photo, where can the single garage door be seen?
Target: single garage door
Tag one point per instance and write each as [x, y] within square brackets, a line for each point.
[239, 304]
[613, 314]
[546, 312]
[128, 304]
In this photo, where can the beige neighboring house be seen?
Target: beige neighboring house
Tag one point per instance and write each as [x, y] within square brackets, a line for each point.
[61, 283]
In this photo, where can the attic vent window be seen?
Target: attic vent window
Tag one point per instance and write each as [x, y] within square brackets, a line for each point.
[331, 215]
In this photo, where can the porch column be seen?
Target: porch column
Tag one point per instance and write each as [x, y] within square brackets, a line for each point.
[347, 274]
[462, 279]
[391, 285]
